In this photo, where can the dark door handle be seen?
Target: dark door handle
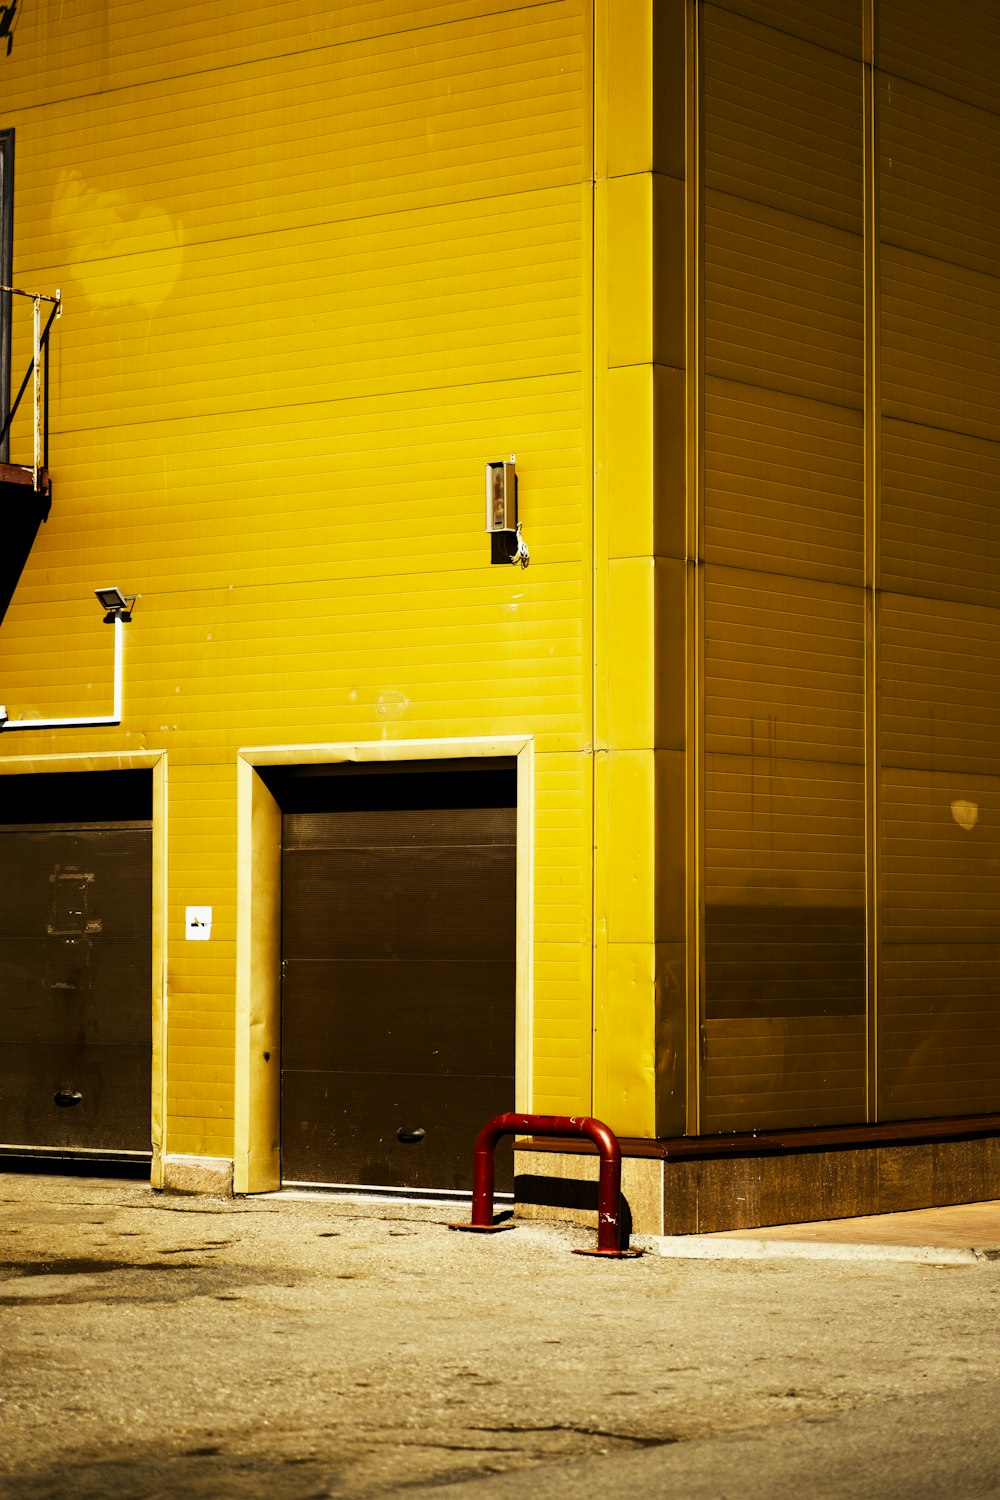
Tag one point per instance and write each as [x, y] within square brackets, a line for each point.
[410, 1137]
[66, 1098]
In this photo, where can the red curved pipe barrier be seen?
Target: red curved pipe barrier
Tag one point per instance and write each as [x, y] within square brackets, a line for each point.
[609, 1191]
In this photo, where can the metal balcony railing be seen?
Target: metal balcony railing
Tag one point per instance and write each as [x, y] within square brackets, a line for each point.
[37, 374]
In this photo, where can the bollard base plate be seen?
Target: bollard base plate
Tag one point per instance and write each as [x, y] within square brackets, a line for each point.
[611, 1254]
[482, 1228]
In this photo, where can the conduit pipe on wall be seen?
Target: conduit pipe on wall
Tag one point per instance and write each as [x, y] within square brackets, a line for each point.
[115, 717]
[609, 1192]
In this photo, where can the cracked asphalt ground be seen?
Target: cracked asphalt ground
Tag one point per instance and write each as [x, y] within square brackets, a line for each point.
[296, 1348]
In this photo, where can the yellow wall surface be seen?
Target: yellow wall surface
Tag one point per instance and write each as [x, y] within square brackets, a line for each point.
[319, 263]
[646, 979]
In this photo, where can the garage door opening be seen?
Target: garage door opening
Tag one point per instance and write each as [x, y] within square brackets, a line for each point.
[75, 965]
[398, 969]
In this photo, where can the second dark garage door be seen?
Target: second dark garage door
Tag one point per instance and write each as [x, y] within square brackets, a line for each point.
[76, 962]
[398, 971]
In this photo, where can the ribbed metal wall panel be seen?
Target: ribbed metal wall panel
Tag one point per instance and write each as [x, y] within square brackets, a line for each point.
[785, 477]
[784, 849]
[316, 500]
[319, 264]
[954, 50]
[781, 121]
[784, 550]
[940, 343]
[939, 164]
[784, 302]
[421, 300]
[832, 24]
[790, 668]
[783, 829]
[938, 1031]
[785, 1072]
[939, 1043]
[785, 660]
[940, 524]
[80, 51]
[940, 685]
[939, 638]
[785, 942]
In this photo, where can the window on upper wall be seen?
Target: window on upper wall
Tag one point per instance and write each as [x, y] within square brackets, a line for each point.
[6, 273]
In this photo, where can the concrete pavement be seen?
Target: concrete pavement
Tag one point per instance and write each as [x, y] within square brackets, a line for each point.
[963, 1232]
[294, 1348]
[939, 1447]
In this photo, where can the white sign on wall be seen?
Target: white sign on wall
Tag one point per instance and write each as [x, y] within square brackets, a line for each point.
[198, 923]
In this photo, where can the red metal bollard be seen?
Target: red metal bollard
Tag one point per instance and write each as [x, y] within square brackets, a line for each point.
[609, 1191]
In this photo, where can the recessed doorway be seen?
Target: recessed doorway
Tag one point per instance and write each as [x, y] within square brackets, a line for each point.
[398, 968]
[76, 874]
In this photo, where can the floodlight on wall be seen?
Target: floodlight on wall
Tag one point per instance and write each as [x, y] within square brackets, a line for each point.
[116, 605]
[118, 612]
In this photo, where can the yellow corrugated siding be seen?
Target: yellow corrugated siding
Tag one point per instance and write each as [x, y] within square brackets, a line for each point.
[427, 299]
[86, 49]
[562, 1014]
[317, 268]
[370, 132]
[348, 488]
[201, 863]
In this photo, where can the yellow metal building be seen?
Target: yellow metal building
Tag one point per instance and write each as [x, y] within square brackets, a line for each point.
[724, 278]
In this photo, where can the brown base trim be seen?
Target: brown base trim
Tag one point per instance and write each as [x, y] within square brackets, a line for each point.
[703, 1194]
[766, 1143]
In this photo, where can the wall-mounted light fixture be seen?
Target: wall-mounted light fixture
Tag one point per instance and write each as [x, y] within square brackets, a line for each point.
[118, 611]
[506, 542]
[118, 607]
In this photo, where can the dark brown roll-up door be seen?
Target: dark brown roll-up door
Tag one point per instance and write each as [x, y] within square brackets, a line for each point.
[398, 977]
[75, 966]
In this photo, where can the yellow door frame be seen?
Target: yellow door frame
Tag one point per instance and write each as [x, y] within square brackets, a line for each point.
[257, 1124]
[125, 760]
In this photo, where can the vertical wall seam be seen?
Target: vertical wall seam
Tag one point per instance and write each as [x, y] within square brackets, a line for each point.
[593, 548]
[6, 272]
[872, 415]
[161, 989]
[595, 16]
[694, 571]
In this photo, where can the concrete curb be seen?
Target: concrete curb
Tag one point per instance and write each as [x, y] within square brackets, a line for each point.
[698, 1247]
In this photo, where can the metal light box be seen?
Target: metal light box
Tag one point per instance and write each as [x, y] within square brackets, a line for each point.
[501, 497]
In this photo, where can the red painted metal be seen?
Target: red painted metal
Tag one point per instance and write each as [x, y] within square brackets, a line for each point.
[609, 1190]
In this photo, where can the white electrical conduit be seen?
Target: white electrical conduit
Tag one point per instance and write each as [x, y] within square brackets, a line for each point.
[115, 717]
